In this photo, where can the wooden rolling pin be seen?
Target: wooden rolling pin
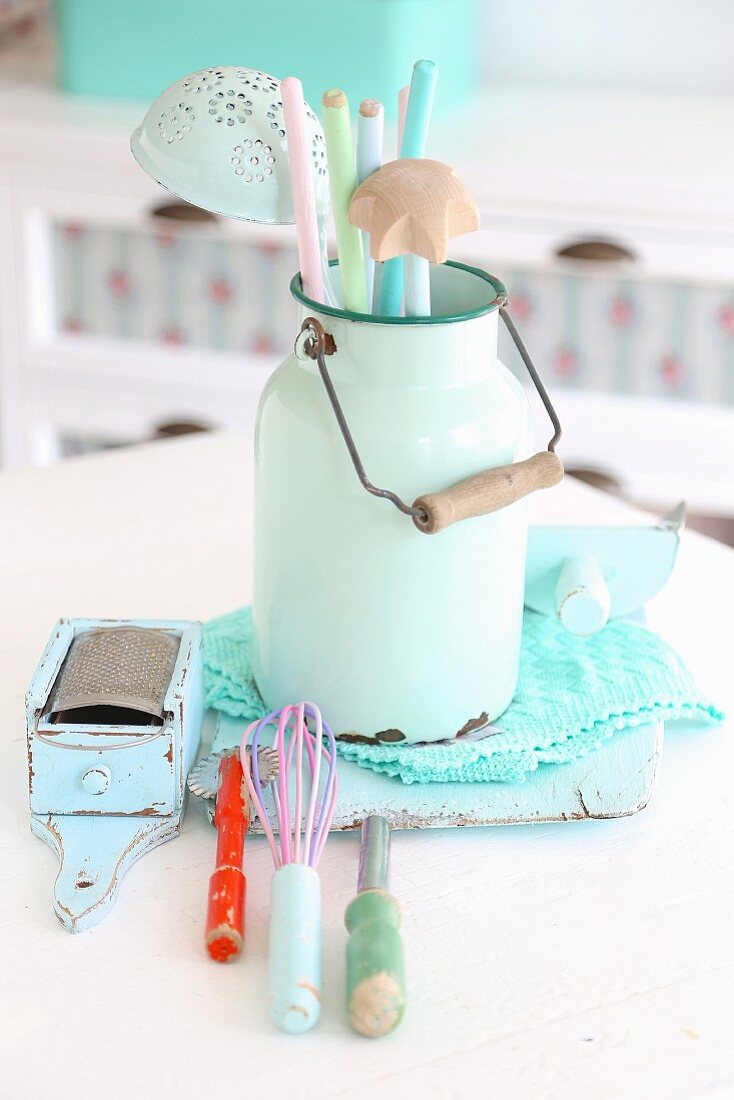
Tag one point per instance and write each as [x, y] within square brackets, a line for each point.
[487, 492]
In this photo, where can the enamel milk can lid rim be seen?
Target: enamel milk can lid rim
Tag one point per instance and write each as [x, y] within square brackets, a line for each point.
[499, 299]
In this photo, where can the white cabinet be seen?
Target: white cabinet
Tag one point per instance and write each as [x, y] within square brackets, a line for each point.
[638, 353]
[114, 320]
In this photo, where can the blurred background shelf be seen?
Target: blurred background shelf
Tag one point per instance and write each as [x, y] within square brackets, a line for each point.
[609, 215]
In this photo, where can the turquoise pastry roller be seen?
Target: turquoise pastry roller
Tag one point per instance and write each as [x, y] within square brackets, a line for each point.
[586, 575]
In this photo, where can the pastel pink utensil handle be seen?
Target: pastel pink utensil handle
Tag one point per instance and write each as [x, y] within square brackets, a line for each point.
[304, 204]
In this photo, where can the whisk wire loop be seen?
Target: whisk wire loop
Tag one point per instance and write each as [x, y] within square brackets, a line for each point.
[285, 757]
[251, 774]
[301, 737]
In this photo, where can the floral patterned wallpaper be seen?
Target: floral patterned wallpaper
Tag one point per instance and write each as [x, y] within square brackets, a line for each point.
[595, 332]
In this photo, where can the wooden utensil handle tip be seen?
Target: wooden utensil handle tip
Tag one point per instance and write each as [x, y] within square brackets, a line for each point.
[225, 917]
[370, 108]
[224, 944]
[376, 1006]
[335, 97]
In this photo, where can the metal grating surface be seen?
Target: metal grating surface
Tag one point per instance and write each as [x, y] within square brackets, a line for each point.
[117, 666]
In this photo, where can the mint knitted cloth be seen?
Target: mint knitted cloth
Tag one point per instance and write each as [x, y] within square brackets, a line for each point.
[573, 694]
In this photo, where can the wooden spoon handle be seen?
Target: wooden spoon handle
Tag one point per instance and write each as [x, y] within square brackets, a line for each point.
[487, 492]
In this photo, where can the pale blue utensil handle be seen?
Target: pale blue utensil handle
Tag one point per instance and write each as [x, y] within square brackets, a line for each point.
[415, 135]
[295, 948]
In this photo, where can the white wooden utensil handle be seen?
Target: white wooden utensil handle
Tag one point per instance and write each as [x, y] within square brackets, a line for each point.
[487, 492]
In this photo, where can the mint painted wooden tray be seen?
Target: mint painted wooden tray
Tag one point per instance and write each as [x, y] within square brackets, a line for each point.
[615, 781]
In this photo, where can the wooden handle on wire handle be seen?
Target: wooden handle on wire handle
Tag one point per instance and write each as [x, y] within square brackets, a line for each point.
[375, 965]
[487, 492]
[225, 917]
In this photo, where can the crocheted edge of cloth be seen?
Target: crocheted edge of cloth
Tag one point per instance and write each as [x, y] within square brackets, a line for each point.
[601, 730]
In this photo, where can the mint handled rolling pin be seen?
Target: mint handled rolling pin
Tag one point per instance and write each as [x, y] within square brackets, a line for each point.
[375, 965]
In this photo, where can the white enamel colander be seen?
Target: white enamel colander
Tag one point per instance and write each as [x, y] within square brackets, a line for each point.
[217, 139]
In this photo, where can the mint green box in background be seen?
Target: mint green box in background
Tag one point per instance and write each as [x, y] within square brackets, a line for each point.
[133, 49]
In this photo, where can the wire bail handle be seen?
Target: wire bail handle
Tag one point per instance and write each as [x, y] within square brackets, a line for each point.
[477, 495]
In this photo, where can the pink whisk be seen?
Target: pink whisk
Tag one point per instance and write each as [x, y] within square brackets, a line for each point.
[301, 801]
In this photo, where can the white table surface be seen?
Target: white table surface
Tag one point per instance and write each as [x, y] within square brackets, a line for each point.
[586, 959]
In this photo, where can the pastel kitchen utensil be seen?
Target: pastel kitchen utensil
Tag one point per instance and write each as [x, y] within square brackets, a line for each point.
[217, 138]
[114, 714]
[419, 109]
[342, 172]
[302, 800]
[375, 963]
[402, 111]
[370, 128]
[412, 144]
[219, 777]
[413, 206]
[311, 262]
[586, 575]
[415, 404]
[403, 96]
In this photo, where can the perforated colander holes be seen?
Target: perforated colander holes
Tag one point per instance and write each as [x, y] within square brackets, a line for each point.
[230, 106]
[257, 81]
[175, 122]
[318, 154]
[253, 161]
[203, 81]
[274, 115]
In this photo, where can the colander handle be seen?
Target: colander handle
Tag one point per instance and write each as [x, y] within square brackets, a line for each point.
[477, 495]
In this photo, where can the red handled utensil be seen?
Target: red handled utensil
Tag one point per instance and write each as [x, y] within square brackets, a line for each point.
[219, 776]
[225, 915]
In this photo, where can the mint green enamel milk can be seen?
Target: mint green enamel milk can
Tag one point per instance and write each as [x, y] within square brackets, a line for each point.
[373, 440]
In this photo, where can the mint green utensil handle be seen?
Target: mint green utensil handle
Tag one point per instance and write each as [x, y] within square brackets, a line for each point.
[375, 964]
[295, 948]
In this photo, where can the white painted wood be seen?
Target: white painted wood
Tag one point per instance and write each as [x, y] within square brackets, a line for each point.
[657, 159]
[94, 858]
[552, 962]
[660, 451]
[615, 783]
[12, 442]
[98, 183]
